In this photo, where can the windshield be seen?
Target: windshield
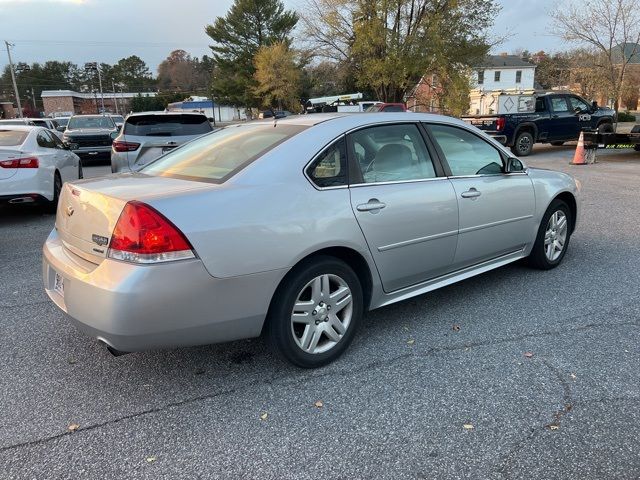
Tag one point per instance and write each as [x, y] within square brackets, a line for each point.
[12, 138]
[97, 121]
[220, 155]
[166, 125]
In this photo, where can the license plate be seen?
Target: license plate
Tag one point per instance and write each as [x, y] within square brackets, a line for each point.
[58, 284]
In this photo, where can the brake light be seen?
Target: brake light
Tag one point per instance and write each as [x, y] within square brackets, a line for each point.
[144, 235]
[27, 162]
[120, 146]
[500, 123]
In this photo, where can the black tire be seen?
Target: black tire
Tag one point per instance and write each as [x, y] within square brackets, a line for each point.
[80, 171]
[523, 145]
[557, 144]
[52, 206]
[279, 329]
[605, 128]
[538, 258]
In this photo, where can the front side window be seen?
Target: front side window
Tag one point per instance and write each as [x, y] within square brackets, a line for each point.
[466, 153]
[329, 169]
[391, 153]
[578, 105]
[559, 104]
[220, 155]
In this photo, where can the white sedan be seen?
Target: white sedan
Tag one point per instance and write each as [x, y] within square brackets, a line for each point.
[34, 164]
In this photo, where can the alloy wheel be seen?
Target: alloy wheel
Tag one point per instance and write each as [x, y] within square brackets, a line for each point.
[321, 314]
[524, 144]
[555, 235]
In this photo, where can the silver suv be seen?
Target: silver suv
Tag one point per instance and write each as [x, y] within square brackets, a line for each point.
[148, 135]
[92, 134]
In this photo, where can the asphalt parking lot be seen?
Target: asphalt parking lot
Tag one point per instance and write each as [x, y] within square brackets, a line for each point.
[513, 374]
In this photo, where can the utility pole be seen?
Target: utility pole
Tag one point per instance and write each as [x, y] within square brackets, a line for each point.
[115, 99]
[13, 78]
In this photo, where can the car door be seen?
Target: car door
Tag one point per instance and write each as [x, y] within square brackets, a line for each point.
[405, 206]
[495, 208]
[52, 157]
[66, 160]
[582, 111]
[564, 122]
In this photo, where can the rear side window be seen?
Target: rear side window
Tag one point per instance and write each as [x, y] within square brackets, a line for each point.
[559, 104]
[166, 125]
[220, 155]
[12, 138]
[45, 140]
[329, 169]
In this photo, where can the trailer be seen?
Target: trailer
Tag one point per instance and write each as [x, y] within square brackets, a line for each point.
[613, 141]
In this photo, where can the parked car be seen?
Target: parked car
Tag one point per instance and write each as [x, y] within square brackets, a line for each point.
[387, 107]
[148, 135]
[297, 229]
[274, 113]
[555, 118]
[117, 119]
[34, 164]
[92, 135]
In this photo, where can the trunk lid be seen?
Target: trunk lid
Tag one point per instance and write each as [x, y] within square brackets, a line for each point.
[9, 154]
[88, 210]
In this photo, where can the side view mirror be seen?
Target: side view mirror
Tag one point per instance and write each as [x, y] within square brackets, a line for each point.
[210, 119]
[577, 110]
[513, 165]
[594, 105]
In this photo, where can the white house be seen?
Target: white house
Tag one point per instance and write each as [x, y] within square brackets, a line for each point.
[496, 75]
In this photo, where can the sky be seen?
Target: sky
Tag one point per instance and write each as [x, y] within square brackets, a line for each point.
[107, 30]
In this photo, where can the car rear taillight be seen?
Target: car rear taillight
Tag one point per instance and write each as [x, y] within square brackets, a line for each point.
[500, 123]
[144, 235]
[27, 162]
[120, 146]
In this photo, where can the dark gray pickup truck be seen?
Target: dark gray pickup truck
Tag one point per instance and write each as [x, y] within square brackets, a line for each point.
[555, 119]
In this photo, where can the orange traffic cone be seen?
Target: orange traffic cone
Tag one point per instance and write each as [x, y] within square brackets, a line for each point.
[579, 156]
[583, 156]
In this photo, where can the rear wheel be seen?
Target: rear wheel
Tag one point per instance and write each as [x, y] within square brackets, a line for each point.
[57, 188]
[605, 128]
[553, 237]
[315, 312]
[523, 145]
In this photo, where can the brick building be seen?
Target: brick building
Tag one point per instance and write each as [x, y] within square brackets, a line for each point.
[60, 101]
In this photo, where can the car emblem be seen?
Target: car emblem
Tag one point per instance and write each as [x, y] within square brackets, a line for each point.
[100, 240]
[69, 211]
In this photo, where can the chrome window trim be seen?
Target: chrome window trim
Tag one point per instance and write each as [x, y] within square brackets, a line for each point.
[393, 182]
[489, 175]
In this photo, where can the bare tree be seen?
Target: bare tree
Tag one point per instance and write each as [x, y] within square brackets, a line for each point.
[612, 27]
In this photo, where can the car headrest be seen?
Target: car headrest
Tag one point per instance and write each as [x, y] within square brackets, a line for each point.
[393, 156]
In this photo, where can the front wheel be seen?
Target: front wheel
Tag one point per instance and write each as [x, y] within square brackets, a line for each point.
[315, 312]
[523, 145]
[605, 128]
[553, 237]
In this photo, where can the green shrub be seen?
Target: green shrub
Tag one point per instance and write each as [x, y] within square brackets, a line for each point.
[626, 117]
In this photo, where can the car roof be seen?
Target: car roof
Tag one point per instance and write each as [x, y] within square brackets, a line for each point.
[23, 127]
[363, 118]
[172, 112]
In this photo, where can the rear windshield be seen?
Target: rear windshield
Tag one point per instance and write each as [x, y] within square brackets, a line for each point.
[166, 125]
[220, 155]
[40, 123]
[97, 121]
[12, 138]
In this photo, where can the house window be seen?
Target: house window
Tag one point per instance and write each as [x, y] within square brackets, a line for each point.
[496, 76]
[480, 77]
[518, 76]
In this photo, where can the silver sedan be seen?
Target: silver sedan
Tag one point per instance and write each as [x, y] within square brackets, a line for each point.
[295, 228]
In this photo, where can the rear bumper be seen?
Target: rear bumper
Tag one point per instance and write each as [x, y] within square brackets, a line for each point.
[500, 137]
[27, 182]
[91, 151]
[135, 308]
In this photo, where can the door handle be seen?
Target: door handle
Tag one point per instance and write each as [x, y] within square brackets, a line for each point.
[374, 205]
[471, 193]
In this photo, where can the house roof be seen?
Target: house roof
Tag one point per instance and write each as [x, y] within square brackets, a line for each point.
[71, 93]
[504, 61]
[631, 51]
